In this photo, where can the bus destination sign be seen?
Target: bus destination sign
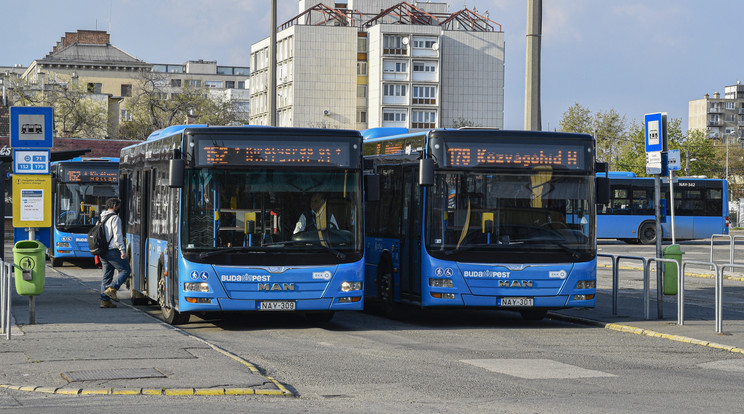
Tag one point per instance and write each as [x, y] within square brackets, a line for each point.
[87, 175]
[482, 154]
[275, 153]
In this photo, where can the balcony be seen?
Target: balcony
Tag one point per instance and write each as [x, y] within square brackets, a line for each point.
[715, 123]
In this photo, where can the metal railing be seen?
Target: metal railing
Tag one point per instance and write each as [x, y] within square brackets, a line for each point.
[732, 245]
[6, 296]
[659, 285]
[718, 301]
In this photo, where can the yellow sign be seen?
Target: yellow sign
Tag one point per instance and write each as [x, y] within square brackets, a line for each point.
[32, 200]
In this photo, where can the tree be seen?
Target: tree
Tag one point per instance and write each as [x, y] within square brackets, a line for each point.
[609, 128]
[157, 105]
[77, 113]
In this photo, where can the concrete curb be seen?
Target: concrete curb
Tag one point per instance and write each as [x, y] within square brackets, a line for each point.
[645, 332]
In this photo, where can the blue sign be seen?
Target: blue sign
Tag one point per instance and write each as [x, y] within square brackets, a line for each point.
[31, 127]
[656, 131]
[30, 161]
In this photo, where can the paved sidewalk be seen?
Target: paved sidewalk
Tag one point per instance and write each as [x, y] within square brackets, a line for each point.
[75, 347]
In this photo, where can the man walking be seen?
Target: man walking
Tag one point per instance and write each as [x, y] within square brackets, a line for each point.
[116, 255]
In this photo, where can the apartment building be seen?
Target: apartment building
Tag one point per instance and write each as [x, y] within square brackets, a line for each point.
[720, 116]
[111, 75]
[365, 64]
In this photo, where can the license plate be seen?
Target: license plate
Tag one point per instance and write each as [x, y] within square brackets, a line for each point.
[276, 305]
[516, 302]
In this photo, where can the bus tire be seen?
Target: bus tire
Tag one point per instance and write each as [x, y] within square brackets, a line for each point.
[647, 233]
[386, 294]
[55, 261]
[170, 315]
[534, 314]
[319, 317]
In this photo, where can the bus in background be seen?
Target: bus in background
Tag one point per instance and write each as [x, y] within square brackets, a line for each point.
[700, 209]
[211, 220]
[81, 187]
[479, 218]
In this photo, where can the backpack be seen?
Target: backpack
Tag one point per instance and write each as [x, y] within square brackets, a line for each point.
[97, 243]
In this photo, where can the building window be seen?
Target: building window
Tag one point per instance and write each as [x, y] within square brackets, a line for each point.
[94, 87]
[159, 68]
[393, 116]
[126, 90]
[362, 116]
[176, 83]
[362, 44]
[229, 84]
[425, 95]
[213, 84]
[394, 90]
[395, 67]
[393, 45]
[424, 119]
[423, 43]
[362, 68]
[194, 83]
[241, 84]
[424, 67]
[361, 91]
[125, 115]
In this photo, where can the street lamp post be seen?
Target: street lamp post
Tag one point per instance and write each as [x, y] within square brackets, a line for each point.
[687, 162]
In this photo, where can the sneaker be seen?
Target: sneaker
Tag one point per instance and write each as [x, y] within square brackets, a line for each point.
[107, 304]
[111, 292]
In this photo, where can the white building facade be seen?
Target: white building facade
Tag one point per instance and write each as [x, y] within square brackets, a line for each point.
[390, 64]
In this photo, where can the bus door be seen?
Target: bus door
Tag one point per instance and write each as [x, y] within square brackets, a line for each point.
[410, 253]
[145, 224]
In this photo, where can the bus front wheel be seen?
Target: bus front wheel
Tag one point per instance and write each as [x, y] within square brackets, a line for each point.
[170, 315]
[534, 314]
[647, 233]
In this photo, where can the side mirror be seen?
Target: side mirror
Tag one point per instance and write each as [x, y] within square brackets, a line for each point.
[603, 190]
[426, 172]
[175, 173]
[371, 187]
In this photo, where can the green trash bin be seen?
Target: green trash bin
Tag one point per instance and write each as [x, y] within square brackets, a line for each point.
[670, 270]
[29, 263]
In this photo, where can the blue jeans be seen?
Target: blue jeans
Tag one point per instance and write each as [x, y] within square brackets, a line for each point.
[112, 260]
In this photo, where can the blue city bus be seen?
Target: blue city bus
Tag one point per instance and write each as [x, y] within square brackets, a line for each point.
[80, 187]
[477, 218]
[700, 209]
[211, 220]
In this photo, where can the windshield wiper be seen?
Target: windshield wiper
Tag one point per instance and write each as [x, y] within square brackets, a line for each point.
[474, 246]
[225, 250]
[318, 243]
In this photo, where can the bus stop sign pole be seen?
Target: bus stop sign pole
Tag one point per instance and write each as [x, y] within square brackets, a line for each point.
[656, 148]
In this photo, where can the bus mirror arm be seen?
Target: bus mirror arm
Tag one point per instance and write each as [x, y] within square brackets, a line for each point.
[371, 187]
[603, 190]
[426, 172]
[176, 170]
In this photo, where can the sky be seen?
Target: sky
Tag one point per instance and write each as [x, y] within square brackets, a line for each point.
[631, 56]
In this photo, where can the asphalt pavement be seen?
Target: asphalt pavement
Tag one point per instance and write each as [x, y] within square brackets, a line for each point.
[76, 347]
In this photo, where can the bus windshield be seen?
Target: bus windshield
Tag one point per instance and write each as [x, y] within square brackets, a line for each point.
[79, 204]
[543, 216]
[230, 213]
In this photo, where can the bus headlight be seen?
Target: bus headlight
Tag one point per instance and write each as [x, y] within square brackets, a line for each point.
[60, 244]
[349, 286]
[442, 283]
[583, 297]
[586, 284]
[196, 287]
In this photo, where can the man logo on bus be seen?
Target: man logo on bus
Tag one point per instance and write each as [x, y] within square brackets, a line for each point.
[276, 286]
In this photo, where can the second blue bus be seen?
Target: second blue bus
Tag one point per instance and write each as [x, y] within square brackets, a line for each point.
[81, 187]
[484, 219]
